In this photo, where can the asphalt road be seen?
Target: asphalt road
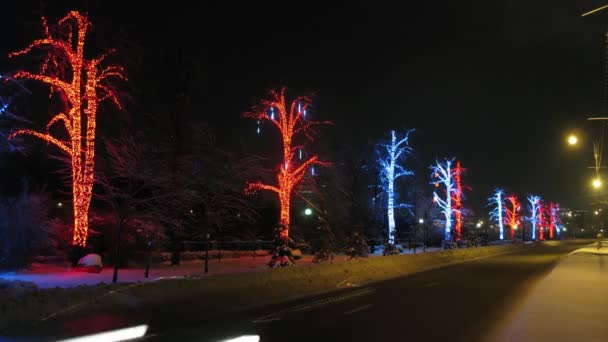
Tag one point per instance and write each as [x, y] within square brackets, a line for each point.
[456, 303]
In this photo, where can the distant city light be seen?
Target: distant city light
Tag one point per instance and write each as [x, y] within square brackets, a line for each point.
[596, 212]
[59, 204]
[572, 140]
[421, 221]
[597, 183]
[307, 212]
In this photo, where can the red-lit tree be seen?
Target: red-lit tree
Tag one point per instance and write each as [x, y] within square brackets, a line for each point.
[81, 85]
[292, 124]
[542, 221]
[457, 200]
[553, 218]
[512, 215]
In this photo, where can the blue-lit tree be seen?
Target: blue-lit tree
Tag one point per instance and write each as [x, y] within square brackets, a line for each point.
[392, 156]
[10, 90]
[497, 213]
[534, 210]
[443, 175]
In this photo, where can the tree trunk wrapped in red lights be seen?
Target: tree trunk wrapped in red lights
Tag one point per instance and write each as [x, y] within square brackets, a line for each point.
[553, 218]
[292, 124]
[457, 201]
[512, 215]
[80, 89]
[542, 221]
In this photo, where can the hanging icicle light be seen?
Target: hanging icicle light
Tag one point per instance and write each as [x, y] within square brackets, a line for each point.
[271, 113]
[300, 154]
[258, 130]
[304, 113]
[312, 170]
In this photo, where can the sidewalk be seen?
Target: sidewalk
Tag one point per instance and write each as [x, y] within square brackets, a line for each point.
[569, 304]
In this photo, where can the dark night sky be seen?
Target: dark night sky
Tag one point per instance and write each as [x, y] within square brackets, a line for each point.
[494, 83]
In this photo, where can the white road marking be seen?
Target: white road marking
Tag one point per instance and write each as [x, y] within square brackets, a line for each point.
[313, 305]
[361, 308]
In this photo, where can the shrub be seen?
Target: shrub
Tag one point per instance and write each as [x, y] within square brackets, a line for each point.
[23, 229]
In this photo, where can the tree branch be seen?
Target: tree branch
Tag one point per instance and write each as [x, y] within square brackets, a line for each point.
[46, 137]
[51, 81]
[60, 117]
[252, 187]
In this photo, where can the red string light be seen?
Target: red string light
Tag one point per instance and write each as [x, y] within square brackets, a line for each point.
[512, 216]
[542, 221]
[553, 209]
[457, 200]
[81, 96]
[290, 122]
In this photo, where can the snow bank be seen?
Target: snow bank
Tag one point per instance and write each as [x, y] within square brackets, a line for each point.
[23, 301]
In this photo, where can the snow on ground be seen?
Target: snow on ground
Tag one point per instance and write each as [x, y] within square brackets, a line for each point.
[569, 304]
[47, 276]
[404, 250]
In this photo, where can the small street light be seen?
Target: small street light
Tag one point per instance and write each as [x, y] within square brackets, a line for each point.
[597, 183]
[572, 140]
[307, 211]
[421, 221]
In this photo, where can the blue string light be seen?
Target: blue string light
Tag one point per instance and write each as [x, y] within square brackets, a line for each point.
[497, 213]
[390, 170]
[534, 208]
[443, 174]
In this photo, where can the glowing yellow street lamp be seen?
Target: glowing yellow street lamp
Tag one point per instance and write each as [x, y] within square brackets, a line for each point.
[572, 140]
[597, 183]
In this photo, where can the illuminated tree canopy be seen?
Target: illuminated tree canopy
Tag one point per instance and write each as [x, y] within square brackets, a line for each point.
[392, 154]
[81, 85]
[542, 220]
[553, 219]
[443, 174]
[457, 200]
[534, 210]
[293, 125]
[512, 215]
[498, 211]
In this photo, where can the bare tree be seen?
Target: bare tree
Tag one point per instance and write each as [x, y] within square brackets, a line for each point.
[137, 184]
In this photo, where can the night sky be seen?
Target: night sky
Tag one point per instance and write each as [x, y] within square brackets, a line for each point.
[496, 84]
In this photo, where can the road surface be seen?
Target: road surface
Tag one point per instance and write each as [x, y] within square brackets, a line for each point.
[455, 303]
